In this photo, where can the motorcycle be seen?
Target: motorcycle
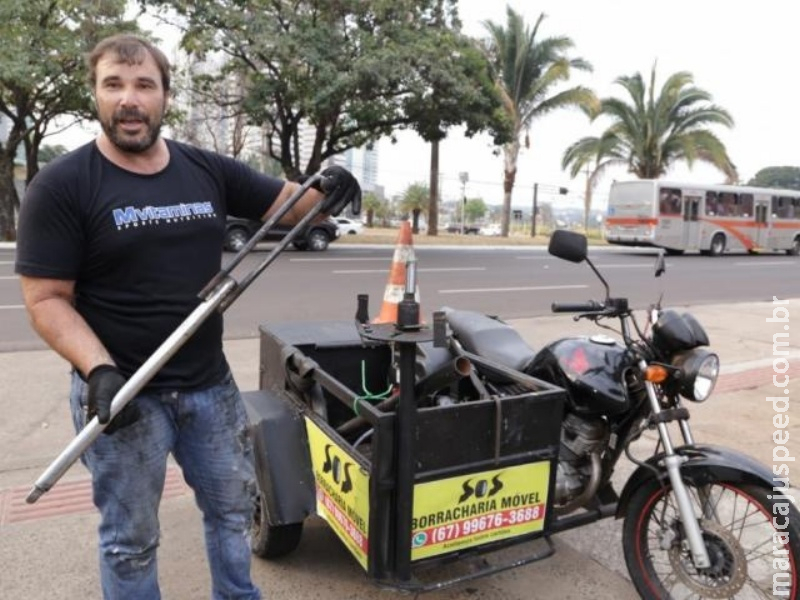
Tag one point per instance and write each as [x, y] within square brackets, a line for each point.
[434, 445]
[699, 521]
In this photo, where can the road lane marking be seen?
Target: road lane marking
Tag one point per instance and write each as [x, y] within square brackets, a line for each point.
[764, 264]
[351, 259]
[515, 289]
[11, 306]
[623, 266]
[432, 270]
[9, 277]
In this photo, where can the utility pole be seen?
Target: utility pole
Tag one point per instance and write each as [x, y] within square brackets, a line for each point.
[464, 178]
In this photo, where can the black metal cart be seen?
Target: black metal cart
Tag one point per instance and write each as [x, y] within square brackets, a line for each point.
[407, 483]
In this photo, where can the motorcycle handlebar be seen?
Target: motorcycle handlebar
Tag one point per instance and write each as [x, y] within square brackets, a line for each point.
[579, 307]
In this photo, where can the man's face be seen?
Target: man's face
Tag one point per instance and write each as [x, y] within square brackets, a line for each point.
[130, 102]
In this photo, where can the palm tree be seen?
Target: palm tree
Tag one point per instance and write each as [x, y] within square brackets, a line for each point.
[590, 155]
[371, 205]
[415, 201]
[528, 71]
[652, 133]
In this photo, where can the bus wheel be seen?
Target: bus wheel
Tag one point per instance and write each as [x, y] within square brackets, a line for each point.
[717, 245]
[795, 249]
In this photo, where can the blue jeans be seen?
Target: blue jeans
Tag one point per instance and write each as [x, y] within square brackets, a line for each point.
[205, 432]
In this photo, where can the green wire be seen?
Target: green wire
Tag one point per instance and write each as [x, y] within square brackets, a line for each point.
[368, 395]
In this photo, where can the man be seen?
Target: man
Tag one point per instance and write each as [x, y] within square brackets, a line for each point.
[115, 241]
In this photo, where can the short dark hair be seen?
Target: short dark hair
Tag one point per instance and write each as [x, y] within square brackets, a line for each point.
[130, 49]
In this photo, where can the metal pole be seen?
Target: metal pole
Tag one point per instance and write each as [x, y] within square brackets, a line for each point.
[138, 380]
[464, 177]
[405, 455]
[535, 209]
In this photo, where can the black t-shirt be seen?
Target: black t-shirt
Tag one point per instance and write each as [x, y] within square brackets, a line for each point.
[140, 248]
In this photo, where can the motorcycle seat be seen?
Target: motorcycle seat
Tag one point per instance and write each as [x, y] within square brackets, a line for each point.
[490, 338]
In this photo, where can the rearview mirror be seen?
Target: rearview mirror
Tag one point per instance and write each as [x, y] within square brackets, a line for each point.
[568, 245]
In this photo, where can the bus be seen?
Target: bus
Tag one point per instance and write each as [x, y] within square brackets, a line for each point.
[711, 219]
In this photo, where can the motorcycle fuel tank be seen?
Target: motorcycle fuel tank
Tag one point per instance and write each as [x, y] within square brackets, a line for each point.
[590, 369]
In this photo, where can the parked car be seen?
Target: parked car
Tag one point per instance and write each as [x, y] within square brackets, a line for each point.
[315, 238]
[491, 229]
[468, 229]
[348, 226]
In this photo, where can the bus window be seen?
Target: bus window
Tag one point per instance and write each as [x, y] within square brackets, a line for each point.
[669, 201]
[728, 204]
[745, 205]
[784, 207]
[711, 204]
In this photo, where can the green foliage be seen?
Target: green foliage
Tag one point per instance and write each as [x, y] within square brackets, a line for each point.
[42, 76]
[48, 153]
[415, 197]
[355, 71]
[654, 129]
[475, 209]
[373, 207]
[777, 177]
[415, 201]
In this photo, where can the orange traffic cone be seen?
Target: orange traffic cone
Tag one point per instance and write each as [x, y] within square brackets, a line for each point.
[396, 287]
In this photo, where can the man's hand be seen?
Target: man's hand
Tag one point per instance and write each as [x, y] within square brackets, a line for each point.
[340, 189]
[104, 383]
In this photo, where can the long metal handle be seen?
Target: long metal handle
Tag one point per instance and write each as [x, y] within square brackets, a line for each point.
[128, 392]
[219, 294]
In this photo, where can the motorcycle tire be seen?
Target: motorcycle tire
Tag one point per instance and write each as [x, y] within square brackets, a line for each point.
[272, 541]
[738, 527]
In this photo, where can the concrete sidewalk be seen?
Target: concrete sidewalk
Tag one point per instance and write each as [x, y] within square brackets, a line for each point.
[48, 550]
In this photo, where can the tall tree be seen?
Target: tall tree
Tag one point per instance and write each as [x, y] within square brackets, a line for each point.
[42, 77]
[777, 177]
[372, 207]
[458, 90]
[530, 71]
[654, 129]
[415, 202]
[349, 71]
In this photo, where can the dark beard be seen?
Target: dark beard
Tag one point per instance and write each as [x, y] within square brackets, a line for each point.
[135, 146]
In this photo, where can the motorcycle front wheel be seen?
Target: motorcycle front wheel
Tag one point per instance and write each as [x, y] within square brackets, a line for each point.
[754, 552]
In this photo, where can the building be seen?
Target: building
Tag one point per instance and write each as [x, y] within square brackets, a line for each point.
[363, 163]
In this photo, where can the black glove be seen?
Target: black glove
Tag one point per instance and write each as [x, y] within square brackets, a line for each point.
[340, 189]
[104, 383]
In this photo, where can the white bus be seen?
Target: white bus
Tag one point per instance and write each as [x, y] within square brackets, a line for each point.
[711, 219]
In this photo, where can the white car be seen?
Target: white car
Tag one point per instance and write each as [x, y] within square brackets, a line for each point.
[348, 226]
[491, 229]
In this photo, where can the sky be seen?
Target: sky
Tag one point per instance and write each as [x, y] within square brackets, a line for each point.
[743, 54]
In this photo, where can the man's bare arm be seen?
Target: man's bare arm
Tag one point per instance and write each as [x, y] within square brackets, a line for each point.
[306, 203]
[50, 304]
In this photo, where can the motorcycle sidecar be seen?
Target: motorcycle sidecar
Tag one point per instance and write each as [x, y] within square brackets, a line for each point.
[329, 441]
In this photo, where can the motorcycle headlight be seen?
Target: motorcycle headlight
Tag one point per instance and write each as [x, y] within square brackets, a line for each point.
[700, 372]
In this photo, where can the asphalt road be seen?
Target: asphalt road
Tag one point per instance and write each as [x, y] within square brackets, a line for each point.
[513, 282]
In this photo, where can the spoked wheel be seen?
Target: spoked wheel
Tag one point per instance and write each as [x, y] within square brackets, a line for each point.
[272, 541]
[751, 548]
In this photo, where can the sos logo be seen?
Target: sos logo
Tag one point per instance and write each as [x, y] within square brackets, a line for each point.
[339, 469]
[481, 488]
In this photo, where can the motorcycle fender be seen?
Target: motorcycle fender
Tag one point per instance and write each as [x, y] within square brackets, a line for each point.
[705, 464]
[282, 458]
